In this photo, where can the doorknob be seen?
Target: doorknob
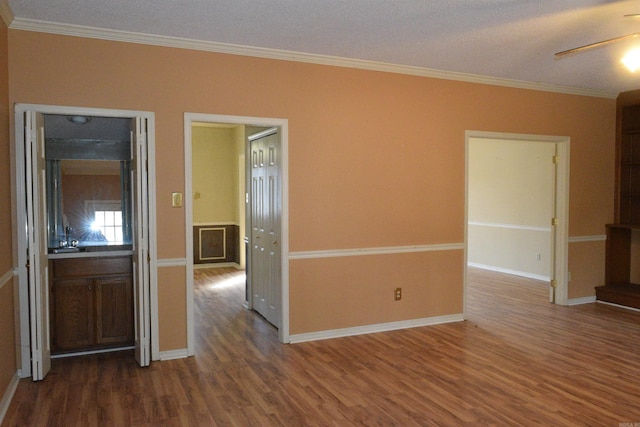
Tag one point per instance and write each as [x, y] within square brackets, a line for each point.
[275, 243]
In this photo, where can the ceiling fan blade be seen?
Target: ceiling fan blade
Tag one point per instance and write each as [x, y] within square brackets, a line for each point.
[596, 44]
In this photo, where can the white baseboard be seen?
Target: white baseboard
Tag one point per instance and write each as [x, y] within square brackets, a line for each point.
[85, 353]
[8, 396]
[579, 301]
[618, 305]
[370, 329]
[174, 354]
[509, 271]
[218, 265]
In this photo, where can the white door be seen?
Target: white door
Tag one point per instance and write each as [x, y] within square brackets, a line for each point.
[141, 282]
[38, 270]
[266, 213]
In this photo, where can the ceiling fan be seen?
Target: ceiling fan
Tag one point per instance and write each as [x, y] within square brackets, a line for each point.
[602, 42]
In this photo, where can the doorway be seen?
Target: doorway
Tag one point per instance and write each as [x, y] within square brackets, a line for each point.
[252, 128]
[517, 207]
[39, 211]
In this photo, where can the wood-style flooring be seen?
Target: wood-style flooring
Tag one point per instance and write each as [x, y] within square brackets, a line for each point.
[517, 360]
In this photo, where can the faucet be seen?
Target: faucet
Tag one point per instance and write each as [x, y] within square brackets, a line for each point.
[69, 243]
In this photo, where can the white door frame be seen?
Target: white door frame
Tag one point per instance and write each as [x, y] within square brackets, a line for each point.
[561, 243]
[189, 119]
[20, 202]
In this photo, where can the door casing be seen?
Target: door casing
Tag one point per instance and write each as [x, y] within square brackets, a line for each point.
[19, 201]
[282, 124]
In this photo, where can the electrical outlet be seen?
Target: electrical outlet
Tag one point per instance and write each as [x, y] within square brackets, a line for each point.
[398, 294]
[539, 257]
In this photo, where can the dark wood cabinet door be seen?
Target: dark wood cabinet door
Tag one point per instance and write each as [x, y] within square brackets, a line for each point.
[114, 310]
[73, 314]
[91, 304]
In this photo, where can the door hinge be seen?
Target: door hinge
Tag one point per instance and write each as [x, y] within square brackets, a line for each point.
[554, 221]
[556, 159]
[554, 283]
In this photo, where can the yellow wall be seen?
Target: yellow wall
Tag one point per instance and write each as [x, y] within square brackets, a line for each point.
[215, 175]
[7, 324]
[510, 191]
[375, 160]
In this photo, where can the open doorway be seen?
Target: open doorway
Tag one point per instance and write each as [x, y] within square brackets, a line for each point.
[230, 190]
[218, 195]
[516, 209]
[86, 258]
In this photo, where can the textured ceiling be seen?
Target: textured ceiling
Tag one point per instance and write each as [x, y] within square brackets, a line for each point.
[505, 39]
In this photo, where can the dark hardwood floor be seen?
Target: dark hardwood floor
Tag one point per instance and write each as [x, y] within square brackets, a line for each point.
[517, 360]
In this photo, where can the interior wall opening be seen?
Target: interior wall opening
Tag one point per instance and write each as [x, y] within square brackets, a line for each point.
[83, 196]
[515, 192]
[219, 179]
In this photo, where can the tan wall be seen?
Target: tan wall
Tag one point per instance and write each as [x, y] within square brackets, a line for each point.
[8, 343]
[585, 273]
[375, 159]
[330, 292]
[172, 307]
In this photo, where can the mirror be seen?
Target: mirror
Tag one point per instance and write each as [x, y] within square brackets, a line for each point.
[88, 184]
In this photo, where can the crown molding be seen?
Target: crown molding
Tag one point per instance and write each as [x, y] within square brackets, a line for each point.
[5, 12]
[285, 55]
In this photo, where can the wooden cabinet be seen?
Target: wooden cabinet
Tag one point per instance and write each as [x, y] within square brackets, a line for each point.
[629, 166]
[618, 288]
[91, 303]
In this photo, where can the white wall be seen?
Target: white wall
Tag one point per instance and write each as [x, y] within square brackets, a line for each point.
[510, 206]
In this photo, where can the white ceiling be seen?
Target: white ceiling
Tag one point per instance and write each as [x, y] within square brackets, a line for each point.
[502, 39]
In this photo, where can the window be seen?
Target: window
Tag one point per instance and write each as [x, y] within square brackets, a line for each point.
[107, 219]
[110, 224]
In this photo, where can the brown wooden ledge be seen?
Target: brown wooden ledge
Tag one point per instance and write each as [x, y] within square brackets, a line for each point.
[624, 294]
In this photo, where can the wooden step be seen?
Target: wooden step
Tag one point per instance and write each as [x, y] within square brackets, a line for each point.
[626, 294]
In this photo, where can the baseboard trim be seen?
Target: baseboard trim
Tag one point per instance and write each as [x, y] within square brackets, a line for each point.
[370, 329]
[8, 396]
[509, 271]
[580, 301]
[174, 354]
[618, 305]
[6, 277]
[86, 353]
[217, 265]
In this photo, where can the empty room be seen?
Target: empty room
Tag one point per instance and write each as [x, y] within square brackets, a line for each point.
[319, 213]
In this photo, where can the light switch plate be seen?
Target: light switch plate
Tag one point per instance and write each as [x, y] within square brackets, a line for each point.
[176, 200]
